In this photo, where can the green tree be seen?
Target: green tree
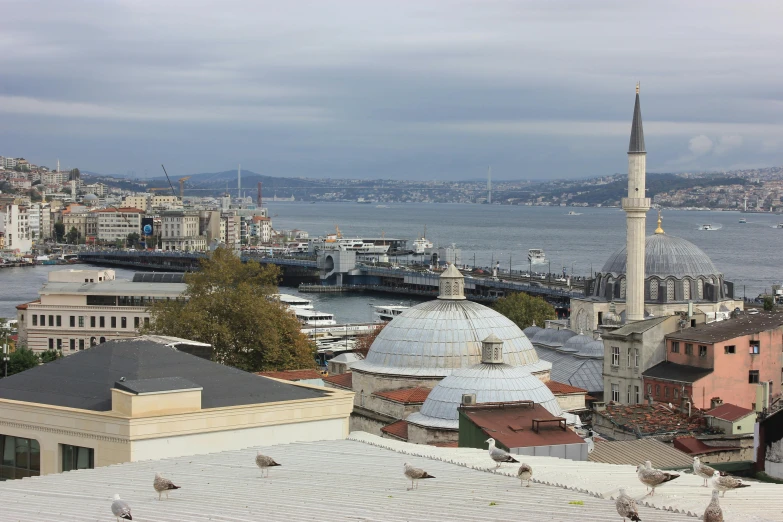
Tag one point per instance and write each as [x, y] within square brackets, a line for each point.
[769, 303]
[228, 305]
[133, 239]
[59, 231]
[22, 359]
[74, 174]
[72, 236]
[524, 309]
[50, 355]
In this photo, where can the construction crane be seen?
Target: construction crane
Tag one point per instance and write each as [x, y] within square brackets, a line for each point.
[182, 187]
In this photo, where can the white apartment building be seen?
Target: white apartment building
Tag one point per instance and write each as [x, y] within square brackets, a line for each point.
[10, 163]
[16, 225]
[116, 223]
[261, 229]
[164, 202]
[81, 308]
[229, 229]
[55, 178]
[142, 202]
[39, 220]
[180, 231]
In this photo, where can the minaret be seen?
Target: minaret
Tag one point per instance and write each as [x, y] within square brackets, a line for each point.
[635, 206]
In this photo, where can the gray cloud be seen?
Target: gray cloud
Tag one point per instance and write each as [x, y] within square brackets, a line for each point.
[389, 89]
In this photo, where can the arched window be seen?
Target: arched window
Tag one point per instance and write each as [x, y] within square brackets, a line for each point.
[700, 288]
[669, 290]
[653, 289]
[622, 288]
[686, 289]
[657, 389]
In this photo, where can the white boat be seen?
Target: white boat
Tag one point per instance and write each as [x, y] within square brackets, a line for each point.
[313, 318]
[536, 256]
[743, 220]
[422, 245]
[371, 245]
[707, 226]
[780, 225]
[388, 312]
[382, 206]
[294, 302]
[572, 213]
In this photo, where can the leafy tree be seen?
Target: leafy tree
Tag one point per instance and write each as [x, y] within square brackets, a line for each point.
[50, 355]
[74, 174]
[228, 306]
[73, 236]
[133, 239]
[769, 303]
[22, 359]
[364, 342]
[59, 231]
[523, 309]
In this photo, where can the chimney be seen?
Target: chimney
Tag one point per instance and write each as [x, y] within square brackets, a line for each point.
[715, 402]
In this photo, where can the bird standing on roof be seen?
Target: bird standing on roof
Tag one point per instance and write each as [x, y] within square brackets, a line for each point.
[626, 507]
[727, 482]
[703, 470]
[264, 462]
[498, 455]
[652, 477]
[713, 513]
[415, 474]
[163, 485]
[121, 509]
[525, 473]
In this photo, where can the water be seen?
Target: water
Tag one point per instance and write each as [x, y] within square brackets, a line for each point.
[748, 254]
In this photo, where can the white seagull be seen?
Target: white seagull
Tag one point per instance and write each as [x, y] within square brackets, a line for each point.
[652, 477]
[703, 470]
[498, 455]
[714, 513]
[725, 483]
[264, 462]
[163, 485]
[415, 474]
[121, 509]
[525, 473]
[626, 507]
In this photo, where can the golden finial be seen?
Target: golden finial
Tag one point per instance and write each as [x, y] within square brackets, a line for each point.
[659, 230]
[637, 87]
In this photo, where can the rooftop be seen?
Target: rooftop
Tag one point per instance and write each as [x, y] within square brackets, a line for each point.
[693, 446]
[669, 371]
[636, 327]
[561, 388]
[341, 380]
[89, 375]
[405, 395]
[729, 412]
[115, 287]
[718, 331]
[649, 420]
[293, 375]
[633, 452]
[397, 429]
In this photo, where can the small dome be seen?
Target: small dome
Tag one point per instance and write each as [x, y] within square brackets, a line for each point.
[490, 383]
[576, 343]
[592, 350]
[553, 338]
[611, 318]
[90, 197]
[666, 256]
[532, 330]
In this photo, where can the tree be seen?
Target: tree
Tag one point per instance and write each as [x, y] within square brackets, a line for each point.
[769, 303]
[73, 236]
[59, 231]
[133, 239]
[74, 174]
[524, 309]
[50, 355]
[364, 342]
[22, 359]
[229, 306]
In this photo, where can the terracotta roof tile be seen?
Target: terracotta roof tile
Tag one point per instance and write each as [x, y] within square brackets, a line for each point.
[405, 395]
[341, 380]
[652, 419]
[694, 446]
[729, 412]
[397, 429]
[292, 375]
[559, 387]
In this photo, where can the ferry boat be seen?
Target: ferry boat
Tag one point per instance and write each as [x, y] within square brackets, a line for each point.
[313, 318]
[388, 312]
[369, 245]
[536, 256]
[572, 213]
[422, 245]
[707, 226]
[294, 302]
[743, 220]
[780, 225]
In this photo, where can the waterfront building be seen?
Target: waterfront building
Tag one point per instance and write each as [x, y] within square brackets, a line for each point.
[149, 398]
[117, 223]
[81, 308]
[140, 201]
[16, 226]
[181, 231]
[77, 216]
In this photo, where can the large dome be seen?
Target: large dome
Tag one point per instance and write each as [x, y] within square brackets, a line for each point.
[490, 383]
[666, 256]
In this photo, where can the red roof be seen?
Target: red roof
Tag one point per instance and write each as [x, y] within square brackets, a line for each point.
[341, 380]
[693, 446]
[559, 387]
[397, 429]
[729, 412]
[514, 424]
[23, 306]
[405, 395]
[292, 375]
[452, 444]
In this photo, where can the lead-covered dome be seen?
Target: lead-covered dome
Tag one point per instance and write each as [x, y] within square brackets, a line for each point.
[665, 256]
[435, 338]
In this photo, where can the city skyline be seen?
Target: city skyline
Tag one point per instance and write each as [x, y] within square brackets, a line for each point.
[402, 91]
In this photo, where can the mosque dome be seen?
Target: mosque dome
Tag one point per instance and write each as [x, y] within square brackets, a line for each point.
[90, 197]
[532, 330]
[434, 338]
[591, 350]
[666, 256]
[490, 381]
[553, 338]
[576, 343]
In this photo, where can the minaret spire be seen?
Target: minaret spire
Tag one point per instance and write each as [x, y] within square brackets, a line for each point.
[637, 132]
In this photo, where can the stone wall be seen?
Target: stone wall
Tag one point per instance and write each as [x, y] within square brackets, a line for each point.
[420, 435]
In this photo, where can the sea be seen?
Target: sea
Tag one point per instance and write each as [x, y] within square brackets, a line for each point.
[747, 253]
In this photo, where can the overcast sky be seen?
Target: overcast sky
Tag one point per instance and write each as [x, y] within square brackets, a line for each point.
[403, 89]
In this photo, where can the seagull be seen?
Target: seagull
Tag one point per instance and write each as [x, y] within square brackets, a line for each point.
[264, 462]
[524, 474]
[652, 477]
[703, 470]
[724, 483]
[163, 485]
[121, 509]
[713, 513]
[497, 454]
[626, 507]
[415, 474]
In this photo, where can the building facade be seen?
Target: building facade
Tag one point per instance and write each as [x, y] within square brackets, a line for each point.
[117, 223]
[181, 231]
[16, 225]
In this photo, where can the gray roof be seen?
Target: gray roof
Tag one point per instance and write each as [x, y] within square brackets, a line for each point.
[116, 287]
[490, 383]
[743, 324]
[637, 326]
[576, 343]
[532, 330]
[434, 338]
[637, 130]
[161, 384]
[342, 480]
[670, 371]
[159, 277]
[568, 368]
[84, 380]
[553, 337]
[634, 452]
[666, 256]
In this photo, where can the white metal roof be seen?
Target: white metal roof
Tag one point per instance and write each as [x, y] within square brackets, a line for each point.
[320, 481]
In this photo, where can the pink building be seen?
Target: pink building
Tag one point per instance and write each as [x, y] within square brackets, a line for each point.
[725, 359]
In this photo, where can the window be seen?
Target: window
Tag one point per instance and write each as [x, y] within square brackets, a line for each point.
[92, 321]
[81, 344]
[59, 344]
[103, 340]
[43, 320]
[702, 351]
[615, 356]
[670, 290]
[146, 321]
[59, 320]
[75, 457]
[101, 300]
[753, 377]
[51, 320]
[688, 349]
[81, 321]
[51, 343]
[136, 322]
[675, 347]
[729, 349]
[35, 320]
[649, 389]
[654, 289]
[676, 393]
[123, 322]
[72, 344]
[73, 321]
[636, 358]
[636, 394]
[616, 392]
[657, 390]
[103, 322]
[20, 458]
[666, 391]
[755, 347]
[629, 365]
[629, 394]
[686, 289]
[114, 322]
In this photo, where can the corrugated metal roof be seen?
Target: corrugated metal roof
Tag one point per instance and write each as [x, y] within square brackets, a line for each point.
[745, 324]
[329, 481]
[571, 369]
[634, 452]
[116, 287]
